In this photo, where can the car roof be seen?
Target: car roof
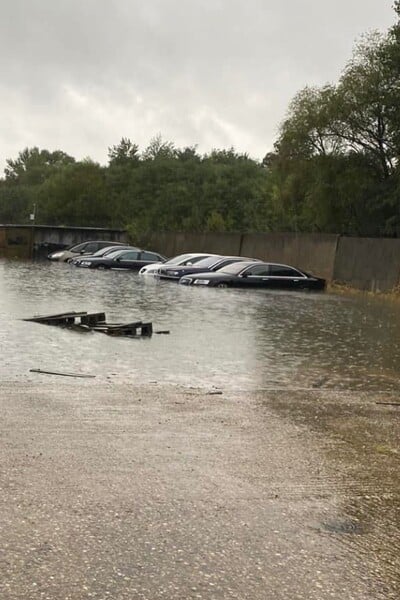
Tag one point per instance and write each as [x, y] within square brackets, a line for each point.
[131, 249]
[242, 258]
[275, 264]
[109, 242]
[120, 246]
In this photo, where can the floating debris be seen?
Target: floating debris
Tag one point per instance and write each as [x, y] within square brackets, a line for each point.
[61, 374]
[345, 526]
[320, 382]
[84, 321]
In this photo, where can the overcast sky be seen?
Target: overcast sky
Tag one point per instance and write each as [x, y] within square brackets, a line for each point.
[78, 75]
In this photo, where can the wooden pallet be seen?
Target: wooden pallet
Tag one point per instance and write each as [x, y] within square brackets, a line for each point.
[95, 322]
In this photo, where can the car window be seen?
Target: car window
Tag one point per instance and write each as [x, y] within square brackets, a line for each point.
[79, 247]
[192, 260]
[113, 253]
[178, 260]
[233, 269]
[111, 249]
[129, 256]
[100, 252]
[225, 263]
[91, 247]
[106, 250]
[150, 256]
[283, 271]
[209, 261]
[258, 271]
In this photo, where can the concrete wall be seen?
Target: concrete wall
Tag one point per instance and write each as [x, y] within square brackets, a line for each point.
[23, 241]
[16, 242]
[363, 263]
[368, 263]
[67, 236]
[215, 243]
[311, 252]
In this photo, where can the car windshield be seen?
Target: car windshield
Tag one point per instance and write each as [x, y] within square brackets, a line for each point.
[76, 247]
[208, 262]
[106, 250]
[115, 249]
[234, 268]
[115, 253]
[178, 260]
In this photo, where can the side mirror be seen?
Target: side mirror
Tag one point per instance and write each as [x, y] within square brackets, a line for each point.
[82, 252]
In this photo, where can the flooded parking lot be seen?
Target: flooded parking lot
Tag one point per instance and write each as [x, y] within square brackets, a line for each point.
[285, 485]
[233, 339]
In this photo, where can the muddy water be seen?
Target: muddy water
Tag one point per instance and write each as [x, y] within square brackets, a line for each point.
[292, 489]
[228, 338]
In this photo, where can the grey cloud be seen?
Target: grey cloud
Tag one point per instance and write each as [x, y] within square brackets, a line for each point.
[78, 75]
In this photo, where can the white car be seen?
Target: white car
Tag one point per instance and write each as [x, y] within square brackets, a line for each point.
[181, 259]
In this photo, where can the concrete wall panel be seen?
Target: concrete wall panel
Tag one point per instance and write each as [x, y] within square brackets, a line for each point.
[67, 236]
[311, 252]
[368, 263]
[172, 243]
[363, 263]
[215, 243]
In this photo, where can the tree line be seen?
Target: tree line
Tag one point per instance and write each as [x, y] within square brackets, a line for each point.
[334, 168]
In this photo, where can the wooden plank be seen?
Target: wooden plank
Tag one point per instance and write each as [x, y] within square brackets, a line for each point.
[135, 324]
[147, 329]
[61, 374]
[40, 318]
[93, 319]
[95, 322]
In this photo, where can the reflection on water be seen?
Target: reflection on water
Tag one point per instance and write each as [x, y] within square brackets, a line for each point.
[228, 338]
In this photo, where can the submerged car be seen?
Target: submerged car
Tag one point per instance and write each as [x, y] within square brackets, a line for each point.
[257, 275]
[89, 247]
[102, 252]
[211, 263]
[181, 259]
[133, 259]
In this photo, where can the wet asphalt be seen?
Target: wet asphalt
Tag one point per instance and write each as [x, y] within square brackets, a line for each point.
[127, 492]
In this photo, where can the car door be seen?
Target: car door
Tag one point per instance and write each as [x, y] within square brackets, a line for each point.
[148, 258]
[90, 248]
[284, 277]
[255, 276]
[128, 260]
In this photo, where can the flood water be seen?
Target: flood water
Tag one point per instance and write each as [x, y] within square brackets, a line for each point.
[218, 338]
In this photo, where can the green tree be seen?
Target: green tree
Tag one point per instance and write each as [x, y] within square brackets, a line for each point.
[33, 166]
[125, 153]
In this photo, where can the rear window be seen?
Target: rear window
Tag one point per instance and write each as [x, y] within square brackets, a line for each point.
[129, 255]
[282, 271]
[150, 256]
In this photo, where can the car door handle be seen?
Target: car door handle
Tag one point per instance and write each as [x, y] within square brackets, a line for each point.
[265, 278]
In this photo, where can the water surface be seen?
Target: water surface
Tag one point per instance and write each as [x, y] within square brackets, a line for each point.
[223, 338]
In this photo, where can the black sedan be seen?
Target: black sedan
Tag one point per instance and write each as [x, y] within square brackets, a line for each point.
[134, 259]
[102, 252]
[257, 275]
[211, 263]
